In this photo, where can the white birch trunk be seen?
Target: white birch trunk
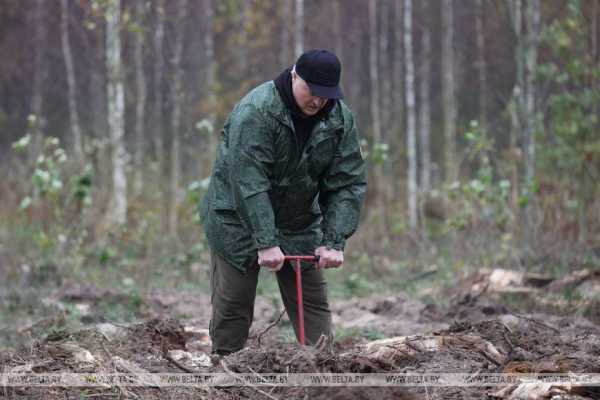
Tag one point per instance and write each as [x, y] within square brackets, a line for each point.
[411, 136]
[374, 72]
[481, 66]
[515, 9]
[425, 104]
[71, 83]
[177, 101]
[378, 178]
[299, 34]
[37, 124]
[533, 31]
[449, 90]
[117, 212]
[530, 111]
[140, 106]
[159, 73]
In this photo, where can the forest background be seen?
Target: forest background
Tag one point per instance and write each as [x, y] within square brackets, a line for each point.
[479, 118]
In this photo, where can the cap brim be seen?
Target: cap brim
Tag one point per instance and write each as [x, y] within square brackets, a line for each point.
[328, 92]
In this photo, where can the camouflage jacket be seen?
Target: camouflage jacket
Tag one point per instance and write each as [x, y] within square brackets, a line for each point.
[265, 191]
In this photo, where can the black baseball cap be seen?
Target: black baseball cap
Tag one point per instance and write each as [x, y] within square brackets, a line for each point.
[321, 69]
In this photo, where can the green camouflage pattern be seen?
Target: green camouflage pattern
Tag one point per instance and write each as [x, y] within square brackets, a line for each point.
[265, 191]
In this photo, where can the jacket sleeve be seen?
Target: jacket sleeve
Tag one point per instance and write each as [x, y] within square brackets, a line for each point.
[251, 157]
[342, 189]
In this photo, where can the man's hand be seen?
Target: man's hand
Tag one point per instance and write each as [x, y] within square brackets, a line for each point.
[271, 258]
[329, 258]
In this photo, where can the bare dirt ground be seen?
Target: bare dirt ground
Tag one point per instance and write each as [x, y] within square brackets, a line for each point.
[474, 334]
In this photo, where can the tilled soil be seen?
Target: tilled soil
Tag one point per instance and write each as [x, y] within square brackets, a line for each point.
[474, 336]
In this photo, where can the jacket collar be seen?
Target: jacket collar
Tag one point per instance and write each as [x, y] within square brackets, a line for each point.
[280, 112]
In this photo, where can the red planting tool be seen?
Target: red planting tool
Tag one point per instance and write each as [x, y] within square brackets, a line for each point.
[298, 269]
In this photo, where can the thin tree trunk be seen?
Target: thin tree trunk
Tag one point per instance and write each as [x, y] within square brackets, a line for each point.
[515, 105]
[243, 43]
[398, 94]
[384, 67]
[177, 96]
[515, 9]
[117, 212]
[411, 136]
[338, 29]
[286, 22]
[374, 72]
[140, 107]
[209, 45]
[159, 73]
[449, 90]
[71, 85]
[37, 123]
[530, 122]
[299, 34]
[481, 66]
[595, 32]
[98, 85]
[425, 103]
[376, 116]
[533, 29]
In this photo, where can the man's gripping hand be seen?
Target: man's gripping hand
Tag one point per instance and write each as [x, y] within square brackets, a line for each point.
[271, 258]
[329, 258]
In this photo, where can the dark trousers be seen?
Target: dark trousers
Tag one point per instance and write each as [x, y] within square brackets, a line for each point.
[233, 294]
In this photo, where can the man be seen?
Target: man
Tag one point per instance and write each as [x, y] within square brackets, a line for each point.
[289, 178]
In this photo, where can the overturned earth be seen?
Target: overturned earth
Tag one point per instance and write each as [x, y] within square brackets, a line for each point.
[475, 333]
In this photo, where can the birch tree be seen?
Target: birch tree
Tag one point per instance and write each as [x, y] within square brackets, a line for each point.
[411, 138]
[140, 106]
[159, 67]
[299, 34]
[523, 107]
[117, 212]
[71, 83]
[36, 119]
[375, 115]
[530, 99]
[515, 106]
[481, 65]
[425, 101]
[177, 101]
[448, 90]
[385, 67]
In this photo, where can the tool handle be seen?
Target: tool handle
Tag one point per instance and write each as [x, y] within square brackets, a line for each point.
[302, 258]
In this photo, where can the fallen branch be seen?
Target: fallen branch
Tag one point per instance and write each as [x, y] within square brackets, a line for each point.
[535, 321]
[268, 328]
[182, 367]
[230, 373]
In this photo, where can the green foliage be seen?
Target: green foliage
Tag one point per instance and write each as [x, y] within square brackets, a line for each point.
[377, 153]
[483, 198]
[369, 334]
[573, 106]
